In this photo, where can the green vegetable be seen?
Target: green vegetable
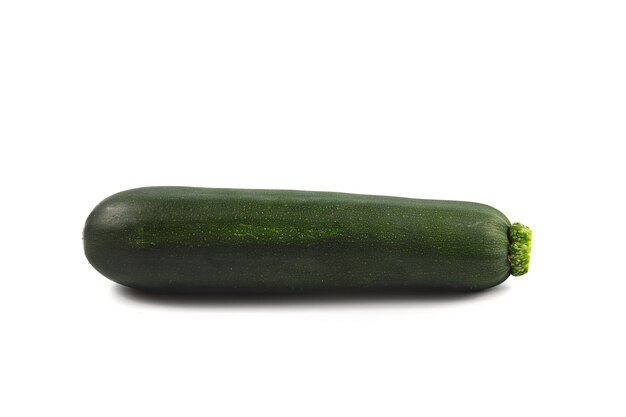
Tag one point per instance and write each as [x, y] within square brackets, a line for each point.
[233, 240]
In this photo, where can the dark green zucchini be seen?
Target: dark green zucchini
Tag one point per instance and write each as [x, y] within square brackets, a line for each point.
[232, 240]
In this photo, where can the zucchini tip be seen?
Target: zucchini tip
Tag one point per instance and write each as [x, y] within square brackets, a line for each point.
[520, 239]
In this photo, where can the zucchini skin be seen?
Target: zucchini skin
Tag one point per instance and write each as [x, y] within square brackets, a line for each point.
[211, 240]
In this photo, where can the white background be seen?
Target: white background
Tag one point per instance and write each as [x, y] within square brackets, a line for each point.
[519, 105]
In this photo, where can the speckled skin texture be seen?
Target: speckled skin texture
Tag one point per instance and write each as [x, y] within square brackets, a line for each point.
[180, 239]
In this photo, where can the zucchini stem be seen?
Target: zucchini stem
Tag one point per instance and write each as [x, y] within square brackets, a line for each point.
[520, 238]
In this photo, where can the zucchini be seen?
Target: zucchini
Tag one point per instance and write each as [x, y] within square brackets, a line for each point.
[234, 240]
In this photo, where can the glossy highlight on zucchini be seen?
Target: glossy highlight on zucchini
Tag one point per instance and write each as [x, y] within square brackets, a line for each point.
[212, 240]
